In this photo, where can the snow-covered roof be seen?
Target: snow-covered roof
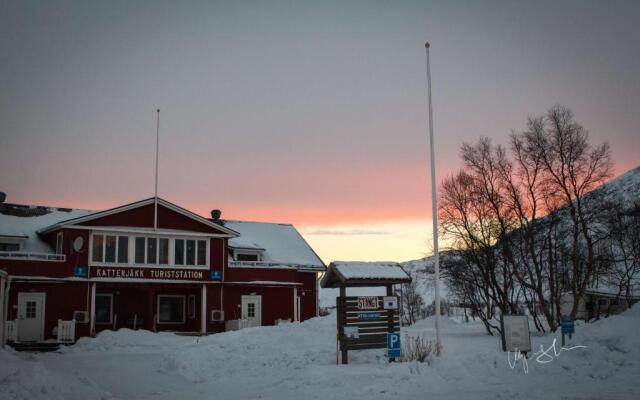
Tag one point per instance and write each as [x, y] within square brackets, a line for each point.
[278, 243]
[25, 227]
[361, 273]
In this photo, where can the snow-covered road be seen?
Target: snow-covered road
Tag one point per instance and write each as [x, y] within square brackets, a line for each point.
[297, 361]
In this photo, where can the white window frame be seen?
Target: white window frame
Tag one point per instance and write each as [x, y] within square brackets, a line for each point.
[132, 250]
[60, 243]
[104, 249]
[110, 295]
[184, 311]
[247, 252]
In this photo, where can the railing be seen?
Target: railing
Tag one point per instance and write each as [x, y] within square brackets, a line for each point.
[29, 256]
[11, 331]
[66, 331]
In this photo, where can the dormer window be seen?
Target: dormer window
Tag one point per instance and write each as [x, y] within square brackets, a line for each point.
[9, 246]
[247, 257]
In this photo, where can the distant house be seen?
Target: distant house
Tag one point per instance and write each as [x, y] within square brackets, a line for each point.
[598, 302]
[72, 273]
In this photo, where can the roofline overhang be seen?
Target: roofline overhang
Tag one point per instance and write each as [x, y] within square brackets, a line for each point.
[132, 206]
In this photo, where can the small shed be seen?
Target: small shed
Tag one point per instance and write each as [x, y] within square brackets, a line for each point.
[360, 273]
[364, 322]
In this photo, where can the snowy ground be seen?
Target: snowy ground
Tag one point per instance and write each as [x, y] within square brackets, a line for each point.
[297, 361]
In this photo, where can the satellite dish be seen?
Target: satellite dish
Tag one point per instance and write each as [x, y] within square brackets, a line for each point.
[78, 243]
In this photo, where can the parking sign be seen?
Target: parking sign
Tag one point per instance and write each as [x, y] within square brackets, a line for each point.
[393, 345]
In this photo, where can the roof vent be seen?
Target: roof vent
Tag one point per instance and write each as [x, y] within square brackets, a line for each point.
[216, 214]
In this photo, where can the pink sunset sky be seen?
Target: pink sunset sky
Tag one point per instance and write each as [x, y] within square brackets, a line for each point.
[311, 113]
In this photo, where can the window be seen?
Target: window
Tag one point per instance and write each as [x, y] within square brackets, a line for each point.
[191, 306]
[152, 250]
[179, 252]
[9, 247]
[104, 308]
[163, 251]
[202, 252]
[139, 250]
[251, 310]
[110, 249]
[246, 257]
[97, 251]
[191, 252]
[59, 241]
[30, 311]
[123, 249]
[170, 309]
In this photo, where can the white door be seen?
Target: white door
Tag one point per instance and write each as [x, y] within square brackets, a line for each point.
[252, 310]
[30, 317]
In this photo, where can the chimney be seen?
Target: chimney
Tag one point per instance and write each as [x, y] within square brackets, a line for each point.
[215, 215]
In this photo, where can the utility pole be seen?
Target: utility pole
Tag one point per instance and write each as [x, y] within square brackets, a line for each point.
[155, 197]
[434, 208]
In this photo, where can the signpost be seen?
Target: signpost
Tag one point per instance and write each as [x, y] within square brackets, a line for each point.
[393, 345]
[515, 333]
[368, 322]
[567, 325]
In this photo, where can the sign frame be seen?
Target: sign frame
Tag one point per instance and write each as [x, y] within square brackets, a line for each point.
[516, 335]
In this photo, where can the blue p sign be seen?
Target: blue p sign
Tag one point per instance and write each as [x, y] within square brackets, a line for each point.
[393, 345]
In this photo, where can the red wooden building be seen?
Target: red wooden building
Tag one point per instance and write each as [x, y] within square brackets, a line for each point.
[75, 272]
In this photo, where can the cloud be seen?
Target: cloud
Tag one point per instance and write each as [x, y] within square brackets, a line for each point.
[343, 232]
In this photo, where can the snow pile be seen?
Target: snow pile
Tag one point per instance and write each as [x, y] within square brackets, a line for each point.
[295, 361]
[369, 270]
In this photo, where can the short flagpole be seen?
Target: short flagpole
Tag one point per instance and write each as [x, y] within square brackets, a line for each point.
[155, 197]
[434, 209]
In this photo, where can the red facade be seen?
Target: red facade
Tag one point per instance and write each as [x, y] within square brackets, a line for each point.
[185, 277]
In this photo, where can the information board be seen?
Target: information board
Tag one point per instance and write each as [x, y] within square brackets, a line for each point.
[515, 333]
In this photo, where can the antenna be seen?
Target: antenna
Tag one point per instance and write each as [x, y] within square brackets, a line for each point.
[155, 197]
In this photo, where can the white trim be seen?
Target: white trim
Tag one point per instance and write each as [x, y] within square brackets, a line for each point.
[60, 243]
[110, 295]
[184, 311]
[43, 297]
[135, 205]
[295, 304]
[143, 231]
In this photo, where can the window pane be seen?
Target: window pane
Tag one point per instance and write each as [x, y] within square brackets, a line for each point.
[202, 252]
[163, 253]
[123, 249]
[103, 309]
[9, 247]
[179, 253]
[171, 309]
[139, 250]
[152, 250]
[191, 252]
[110, 249]
[97, 248]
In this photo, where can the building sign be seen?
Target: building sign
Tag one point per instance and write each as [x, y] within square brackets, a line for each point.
[567, 324]
[390, 302]
[80, 271]
[515, 333]
[368, 303]
[150, 273]
[351, 332]
[216, 275]
[393, 345]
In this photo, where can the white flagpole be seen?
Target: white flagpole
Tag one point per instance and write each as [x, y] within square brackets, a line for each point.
[434, 209]
[155, 197]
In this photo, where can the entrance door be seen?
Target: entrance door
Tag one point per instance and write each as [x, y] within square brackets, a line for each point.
[30, 317]
[252, 310]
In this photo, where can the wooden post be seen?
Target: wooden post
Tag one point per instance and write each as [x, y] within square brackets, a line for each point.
[390, 321]
[344, 351]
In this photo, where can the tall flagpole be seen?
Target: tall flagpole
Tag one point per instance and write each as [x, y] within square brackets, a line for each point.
[155, 197]
[434, 208]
